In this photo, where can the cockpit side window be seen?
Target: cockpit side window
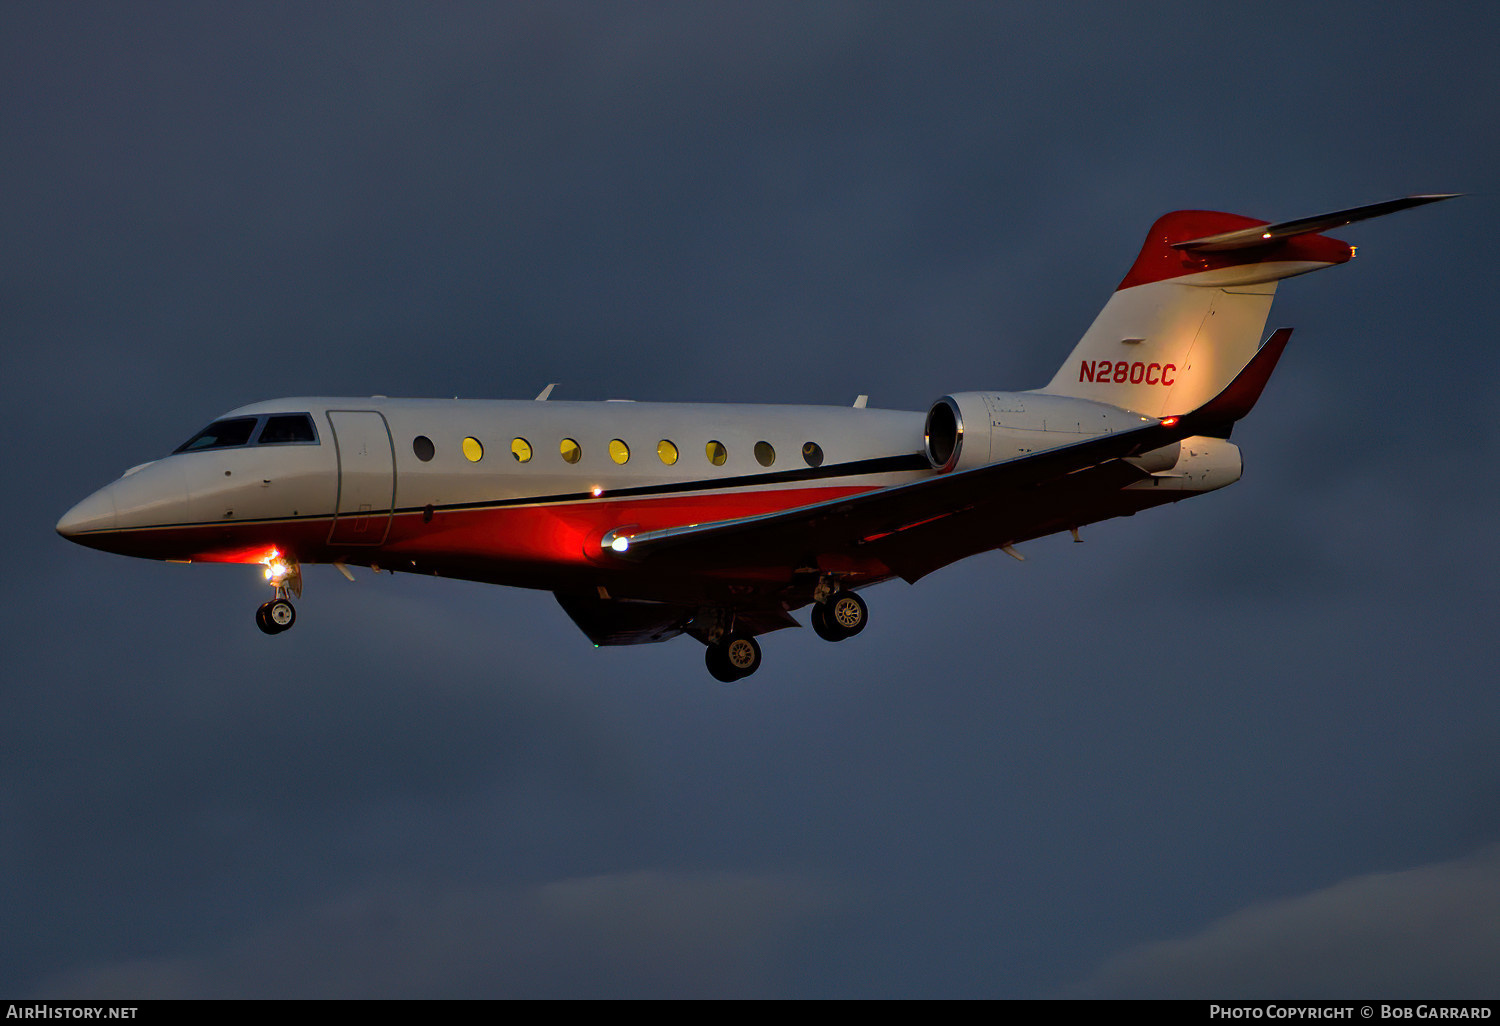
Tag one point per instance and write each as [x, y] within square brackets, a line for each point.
[221, 434]
[282, 428]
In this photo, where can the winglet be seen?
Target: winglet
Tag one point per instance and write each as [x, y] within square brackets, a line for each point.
[1239, 397]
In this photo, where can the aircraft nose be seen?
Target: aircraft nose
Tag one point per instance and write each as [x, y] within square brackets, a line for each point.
[96, 513]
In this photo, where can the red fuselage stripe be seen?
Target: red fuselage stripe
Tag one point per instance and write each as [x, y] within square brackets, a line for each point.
[559, 533]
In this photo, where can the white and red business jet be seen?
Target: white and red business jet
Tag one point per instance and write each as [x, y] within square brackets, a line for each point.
[649, 520]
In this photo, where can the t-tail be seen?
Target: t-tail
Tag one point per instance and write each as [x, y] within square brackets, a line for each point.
[1190, 313]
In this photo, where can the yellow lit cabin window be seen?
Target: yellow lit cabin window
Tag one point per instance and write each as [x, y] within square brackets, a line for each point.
[473, 451]
[521, 450]
[619, 451]
[667, 451]
[571, 451]
[764, 454]
[717, 454]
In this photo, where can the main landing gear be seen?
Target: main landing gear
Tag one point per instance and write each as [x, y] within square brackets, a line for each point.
[732, 654]
[285, 575]
[733, 657]
[842, 615]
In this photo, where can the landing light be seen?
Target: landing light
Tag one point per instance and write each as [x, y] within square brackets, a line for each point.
[277, 568]
[620, 544]
[597, 491]
[1168, 421]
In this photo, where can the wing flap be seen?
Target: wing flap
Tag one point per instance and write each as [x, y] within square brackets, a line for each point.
[612, 622]
[1006, 517]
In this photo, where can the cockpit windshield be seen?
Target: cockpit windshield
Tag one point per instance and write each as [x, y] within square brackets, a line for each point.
[231, 432]
[287, 427]
[220, 435]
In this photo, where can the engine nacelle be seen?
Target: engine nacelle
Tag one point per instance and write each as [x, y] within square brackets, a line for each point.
[1157, 461]
[1204, 464]
[973, 429]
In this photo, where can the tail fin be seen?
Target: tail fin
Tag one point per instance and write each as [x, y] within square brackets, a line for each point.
[1190, 312]
[1217, 417]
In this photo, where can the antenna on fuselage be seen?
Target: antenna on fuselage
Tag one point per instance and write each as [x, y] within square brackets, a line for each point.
[544, 393]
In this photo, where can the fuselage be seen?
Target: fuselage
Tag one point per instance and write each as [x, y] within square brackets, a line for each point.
[524, 493]
[509, 492]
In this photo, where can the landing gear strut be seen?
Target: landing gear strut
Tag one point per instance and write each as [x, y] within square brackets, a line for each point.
[842, 615]
[285, 575]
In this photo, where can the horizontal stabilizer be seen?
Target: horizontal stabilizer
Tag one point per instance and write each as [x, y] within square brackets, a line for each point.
[1264, 235]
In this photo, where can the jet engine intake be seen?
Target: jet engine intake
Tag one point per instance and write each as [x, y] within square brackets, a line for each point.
[944, 434]
[973, 429]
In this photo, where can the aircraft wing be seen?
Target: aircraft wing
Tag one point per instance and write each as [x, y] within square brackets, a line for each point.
[917, 527]
[802, 533]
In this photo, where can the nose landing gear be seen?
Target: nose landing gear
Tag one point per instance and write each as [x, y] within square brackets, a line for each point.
[285, 575]
[275, 616]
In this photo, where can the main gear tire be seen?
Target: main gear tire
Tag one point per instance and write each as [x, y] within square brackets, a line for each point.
[733, 657]
[848, 612]
[822, 626]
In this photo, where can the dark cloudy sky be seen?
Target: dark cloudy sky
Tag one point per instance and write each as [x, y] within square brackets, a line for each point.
[1245, 745]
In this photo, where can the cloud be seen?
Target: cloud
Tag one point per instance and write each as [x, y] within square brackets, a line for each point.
[1429, 932]
[640, 934]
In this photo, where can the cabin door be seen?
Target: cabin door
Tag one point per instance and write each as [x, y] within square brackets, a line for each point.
[367, 477]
